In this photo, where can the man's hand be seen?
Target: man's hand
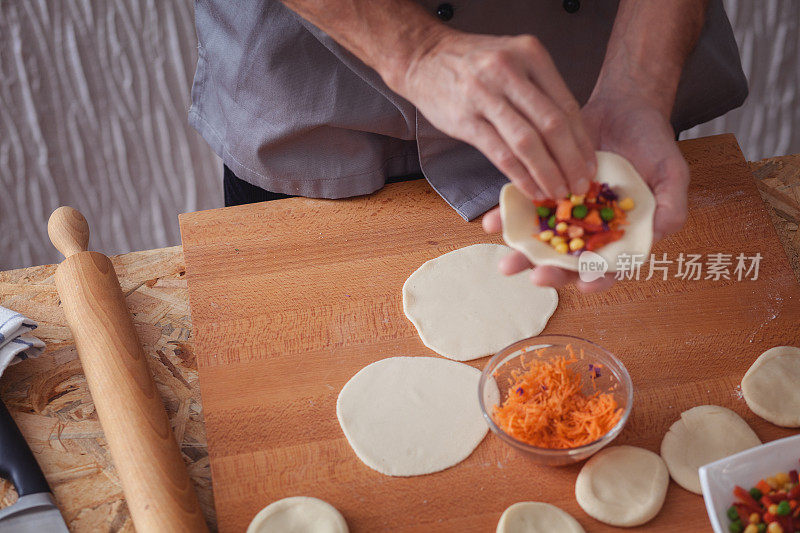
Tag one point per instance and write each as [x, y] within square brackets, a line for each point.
[628, 113]
[504, 96]
[637, 131]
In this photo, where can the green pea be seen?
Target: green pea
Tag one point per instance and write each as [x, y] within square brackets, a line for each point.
[736, 527]
[551, 222]
[784, 508]
[543, 211]
[607, 214]
[732, 513]
[756, 493]
[762, 527]
[580, 211]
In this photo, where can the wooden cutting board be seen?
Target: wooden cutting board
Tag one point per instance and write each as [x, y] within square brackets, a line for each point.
[291, 298]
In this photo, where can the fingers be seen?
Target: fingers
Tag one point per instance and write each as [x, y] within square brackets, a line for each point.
[670, 190]
[550, 276]
[494, 147]
[562, 134]
[492, 222]
[521, 136]
[514, 263]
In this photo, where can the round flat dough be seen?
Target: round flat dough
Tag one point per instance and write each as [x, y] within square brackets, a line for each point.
[622, 486]
[536, 517]
[464, 308]
[408, 416]
[700, 436]
[771, 387]
[299, 514]
[520, 228]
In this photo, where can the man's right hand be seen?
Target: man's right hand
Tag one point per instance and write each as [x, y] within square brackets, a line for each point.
[504, 96]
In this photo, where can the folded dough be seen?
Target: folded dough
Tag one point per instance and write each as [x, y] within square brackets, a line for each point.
[771, 387]
[700, 436]
[298, 514]
[622, 486]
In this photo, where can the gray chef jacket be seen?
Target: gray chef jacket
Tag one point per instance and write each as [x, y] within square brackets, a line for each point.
[291, 111]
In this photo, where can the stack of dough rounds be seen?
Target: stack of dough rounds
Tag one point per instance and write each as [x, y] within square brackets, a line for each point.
[700, 436]
[408, 416]
[536, 517]
[622, 486]
[771, 387]
[464, 308]
[299, 514]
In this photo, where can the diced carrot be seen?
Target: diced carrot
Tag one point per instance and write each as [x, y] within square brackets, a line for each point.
[598, 240]
[594, 190]
[593, 217]
[564, 210]
[766, 501]
[768, 517]
[764, 487]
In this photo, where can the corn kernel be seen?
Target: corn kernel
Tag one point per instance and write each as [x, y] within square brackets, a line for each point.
[772, 482]
[772, 509]
[774, 527]
[576, 244]
[562, 248]
[577, 199]
[755, 518]
[782, 478]
[558, 239]
[574, 232]
[562, 227]
[626, 204]
[546, 235]
[751, 528]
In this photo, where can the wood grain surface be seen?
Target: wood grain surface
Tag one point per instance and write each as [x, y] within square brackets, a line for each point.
[50, 401]
[289, 299]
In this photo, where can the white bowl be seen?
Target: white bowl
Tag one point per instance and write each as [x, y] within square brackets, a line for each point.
[744, 469]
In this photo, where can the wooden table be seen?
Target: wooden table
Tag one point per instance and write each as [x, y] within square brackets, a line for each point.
[50, 401]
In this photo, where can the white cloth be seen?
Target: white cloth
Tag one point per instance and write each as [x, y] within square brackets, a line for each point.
[15, 344]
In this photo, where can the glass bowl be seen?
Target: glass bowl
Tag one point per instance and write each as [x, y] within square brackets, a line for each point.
[613, 378]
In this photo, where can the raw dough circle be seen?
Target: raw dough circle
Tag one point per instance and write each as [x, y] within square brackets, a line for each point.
[622, 486]
[771, 387]
[408, 416]
[702, 435]
[537, 517]
[520, 227]
[298, 514]
[464, 308]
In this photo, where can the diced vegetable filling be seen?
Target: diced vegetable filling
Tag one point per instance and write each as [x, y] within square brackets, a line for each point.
[771, 506]
[583, 222]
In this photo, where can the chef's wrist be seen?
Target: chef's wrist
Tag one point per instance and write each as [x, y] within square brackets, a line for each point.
[399, 68]
[654, 86]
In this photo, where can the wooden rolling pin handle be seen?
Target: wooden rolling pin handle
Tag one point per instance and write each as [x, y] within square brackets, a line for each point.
[157, 488]
[68, 231]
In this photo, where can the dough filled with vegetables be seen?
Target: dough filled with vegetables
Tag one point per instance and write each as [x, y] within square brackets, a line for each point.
[622, 486]
[408, 416]
[537, 517]
[464, 308]
[700, 436]
[771, 387]
[298, 514]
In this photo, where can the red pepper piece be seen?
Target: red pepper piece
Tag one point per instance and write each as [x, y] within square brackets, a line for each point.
[548, 203]
[766, 501]
[587, 226]
[745, 511]
[594, 190]
[768, 517]
[778, 497]
[794, 494]
[599, 240]
[793, 476]
[745, 497]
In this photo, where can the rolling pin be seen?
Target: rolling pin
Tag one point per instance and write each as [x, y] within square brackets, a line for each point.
[159, 494]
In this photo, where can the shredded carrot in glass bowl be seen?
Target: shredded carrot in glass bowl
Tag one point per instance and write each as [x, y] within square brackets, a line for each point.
[548, 405]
